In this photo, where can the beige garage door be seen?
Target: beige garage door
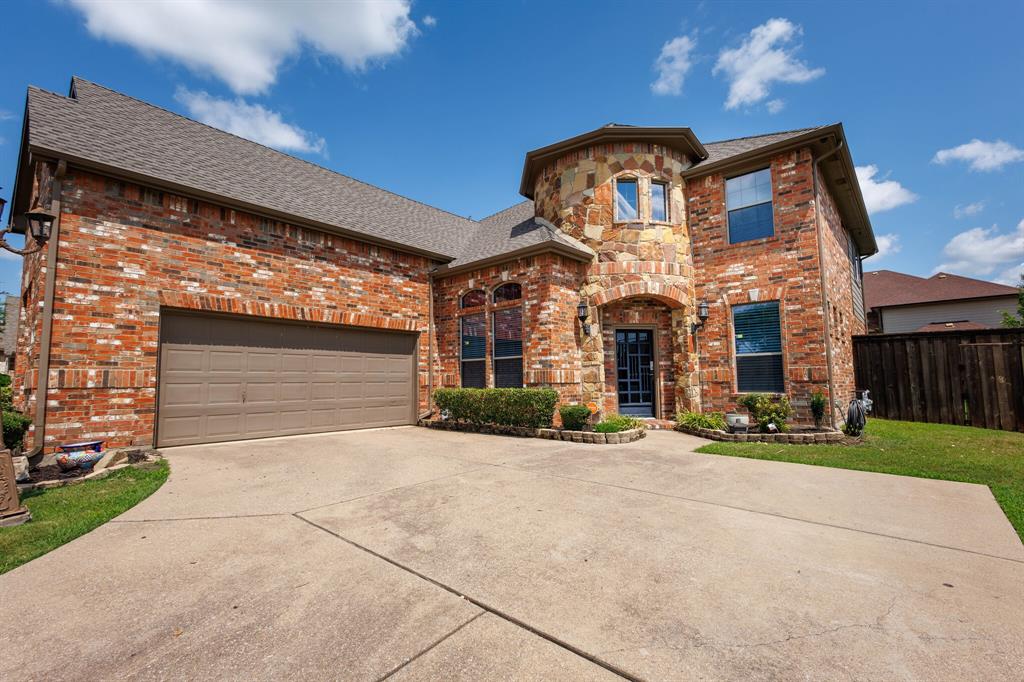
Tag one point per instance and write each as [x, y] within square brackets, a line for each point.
[229, 378]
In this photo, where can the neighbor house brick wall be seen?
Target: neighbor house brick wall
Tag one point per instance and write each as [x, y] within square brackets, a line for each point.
[783, 267]
[127, 251]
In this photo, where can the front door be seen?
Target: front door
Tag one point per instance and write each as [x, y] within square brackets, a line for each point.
[634, 362]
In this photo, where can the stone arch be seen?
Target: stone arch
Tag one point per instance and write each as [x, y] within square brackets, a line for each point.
[669, 294]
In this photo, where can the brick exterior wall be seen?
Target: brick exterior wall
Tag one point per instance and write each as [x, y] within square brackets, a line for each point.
[126, 252]
[551, 338]
[783, 268]
[844, 318]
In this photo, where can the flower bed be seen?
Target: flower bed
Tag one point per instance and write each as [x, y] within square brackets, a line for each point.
[591, 437]
[792, 437]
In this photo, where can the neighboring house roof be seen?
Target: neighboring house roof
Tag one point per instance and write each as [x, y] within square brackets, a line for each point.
[958, 325]
[517, 230]
[885, 288]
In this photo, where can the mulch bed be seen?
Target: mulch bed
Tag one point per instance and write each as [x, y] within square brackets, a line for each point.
[52, 472]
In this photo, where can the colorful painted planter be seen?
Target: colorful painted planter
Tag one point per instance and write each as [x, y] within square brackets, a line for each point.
[80, 455]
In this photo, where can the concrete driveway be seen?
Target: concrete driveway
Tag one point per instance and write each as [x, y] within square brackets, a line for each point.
[419, 554]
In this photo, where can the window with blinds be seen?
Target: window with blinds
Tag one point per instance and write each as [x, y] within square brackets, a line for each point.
[758, 342]
[473, 353]
[508, 348]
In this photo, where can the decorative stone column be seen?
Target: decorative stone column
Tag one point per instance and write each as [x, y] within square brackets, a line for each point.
[12, 512]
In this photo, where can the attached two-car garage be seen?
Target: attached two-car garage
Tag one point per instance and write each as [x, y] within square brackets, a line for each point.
[229, 378]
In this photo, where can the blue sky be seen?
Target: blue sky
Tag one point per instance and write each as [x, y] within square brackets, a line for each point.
[440, 101]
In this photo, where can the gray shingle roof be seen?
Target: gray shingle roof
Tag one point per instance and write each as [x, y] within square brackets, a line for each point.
[723, 149]
[117, 132]
[105, 127]
[515, 229]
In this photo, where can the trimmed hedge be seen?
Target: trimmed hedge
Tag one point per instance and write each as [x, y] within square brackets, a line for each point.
[574, 417]
[15, 425]
[531, 407]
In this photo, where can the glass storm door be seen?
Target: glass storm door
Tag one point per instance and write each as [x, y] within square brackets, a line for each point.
[634, 362]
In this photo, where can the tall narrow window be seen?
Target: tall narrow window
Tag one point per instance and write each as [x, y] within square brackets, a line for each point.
[659, 201]
[748, 199]
[626, 200]
[473, 353]
[508, 348]
[758, 348]
[507, 327]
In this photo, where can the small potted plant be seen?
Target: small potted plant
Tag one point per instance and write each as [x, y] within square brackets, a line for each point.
[818, 408]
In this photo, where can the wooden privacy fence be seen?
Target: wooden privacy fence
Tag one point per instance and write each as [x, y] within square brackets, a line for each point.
[971, 378]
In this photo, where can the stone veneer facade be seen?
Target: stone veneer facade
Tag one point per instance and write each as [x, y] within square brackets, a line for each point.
[128, 252]
[648, 262]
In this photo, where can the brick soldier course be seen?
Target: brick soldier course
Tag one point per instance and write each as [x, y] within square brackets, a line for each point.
[159, 213]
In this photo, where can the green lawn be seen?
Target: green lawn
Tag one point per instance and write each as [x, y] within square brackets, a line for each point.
[60, 515]
[952, 453]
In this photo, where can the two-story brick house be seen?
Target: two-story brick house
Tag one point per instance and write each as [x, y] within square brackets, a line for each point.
[200, 287]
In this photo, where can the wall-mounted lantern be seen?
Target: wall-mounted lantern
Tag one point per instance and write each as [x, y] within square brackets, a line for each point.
[40, 223]
[582, 312]
[702, 314]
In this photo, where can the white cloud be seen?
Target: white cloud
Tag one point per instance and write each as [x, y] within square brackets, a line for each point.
[251, 121]
[5, 115]
[430, 21]
[245, 43]
[980, 155]
[1012, 275]
[775, 106]
[983, 250]
[962, 211]
[672, 64]
[888, 245]
[881, 194]
[764, 57]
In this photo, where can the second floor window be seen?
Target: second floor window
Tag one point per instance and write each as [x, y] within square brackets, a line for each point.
[659, 202]
[626, 206]
[748, 200]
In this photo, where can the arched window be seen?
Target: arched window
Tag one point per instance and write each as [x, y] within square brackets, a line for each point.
[507, 328]
[473, 298]
[510, 291]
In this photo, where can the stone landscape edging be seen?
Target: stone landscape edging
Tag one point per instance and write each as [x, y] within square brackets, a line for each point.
[820, 437]
[591, 437]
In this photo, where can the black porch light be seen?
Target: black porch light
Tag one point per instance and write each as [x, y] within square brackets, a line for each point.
[582, 312]
[702, 314]
[40, 222]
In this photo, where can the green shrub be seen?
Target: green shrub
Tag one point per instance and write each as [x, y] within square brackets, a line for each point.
[765, 409]
[6, 398]
[15, 425]
[818, 406]
[614, 423]
[574, 417]
[701, 420]
[5, 380]
[530, 407]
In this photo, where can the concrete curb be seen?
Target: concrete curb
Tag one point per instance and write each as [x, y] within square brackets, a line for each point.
[589, 437]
